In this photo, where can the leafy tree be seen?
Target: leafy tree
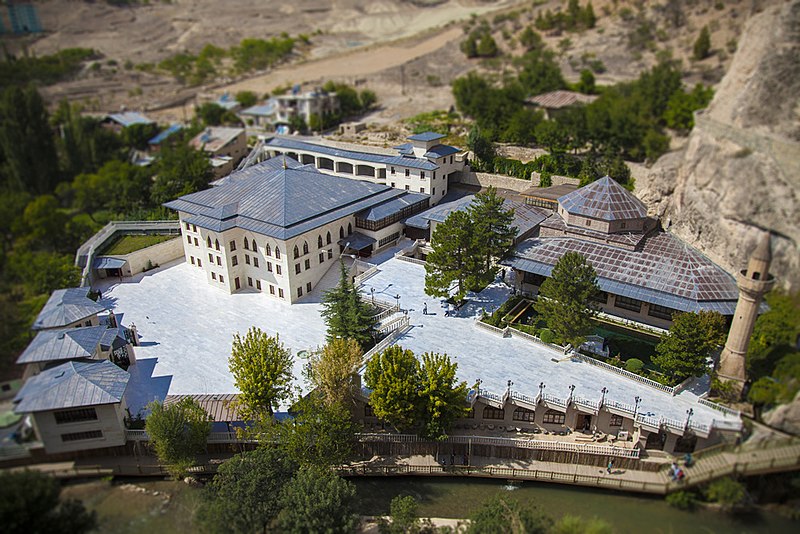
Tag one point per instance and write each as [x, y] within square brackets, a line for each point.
[298, 124]
[178, 433]
[540, 73]
[393, 377]
[29, 504]
[137, 135]
[347, 315]
[403, 512]
[84, 145]
[481, 146]
[316, 500]
[452, 260]
[368, 99]
[179, 171]
[470, 46]
[682, 500]
[320, 433]
[240, 498]
[257, 54]
[315, 122]
[655, 145]
[333, 371]
[565, 299]
[587, 17]
[521, 127]
[634, 365]
[42, 272]
[118, 186]
[487, 47]
[586, 85]
[684, 350]
[530, 39]
[44, 222]
[702, 46]
[764, 391]
[262, 370]
[27, 153]
[246, 99]
[442, 397]
[681, 106]
[725, 491]
[492, 229]
[573, 524]
[504, 515]
[212, 114]
[552, 135]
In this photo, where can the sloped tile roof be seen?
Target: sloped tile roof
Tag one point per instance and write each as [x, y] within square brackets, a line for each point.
[66, 306]
[72, 385]
[604, 199]
[560, 99]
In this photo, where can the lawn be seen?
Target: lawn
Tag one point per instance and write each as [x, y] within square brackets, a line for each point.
[130, 243]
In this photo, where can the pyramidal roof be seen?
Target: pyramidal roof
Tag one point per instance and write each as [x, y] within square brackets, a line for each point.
[54, 345]
[66, 306]
[603, 199]
[72, 385]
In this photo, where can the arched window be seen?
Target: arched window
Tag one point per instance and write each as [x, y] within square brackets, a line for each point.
[490, 412]
[296, 252]
[349, 228]
[255, 247]
[319, 242]
[277, 252]
[329, 238]
[305, 247]
[208, 241]
[341, 232]
[554, 417]
[216, 244]
[523, 414]
[246, 244]
[267, 251]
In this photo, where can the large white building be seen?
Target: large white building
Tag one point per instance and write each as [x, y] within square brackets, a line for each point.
[423, 165]
[278, 226]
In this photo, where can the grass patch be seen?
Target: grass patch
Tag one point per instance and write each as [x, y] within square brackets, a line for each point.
[131, 243]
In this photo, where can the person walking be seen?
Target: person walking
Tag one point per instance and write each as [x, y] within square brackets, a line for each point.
[610, 466]
[425, 308]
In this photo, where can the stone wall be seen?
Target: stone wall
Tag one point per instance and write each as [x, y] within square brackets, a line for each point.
[482, 179]
[157, 255]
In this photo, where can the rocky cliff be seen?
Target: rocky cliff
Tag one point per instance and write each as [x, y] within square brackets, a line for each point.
[739, 172]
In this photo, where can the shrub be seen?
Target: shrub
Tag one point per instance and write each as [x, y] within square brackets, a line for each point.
[547, 335]
[682, 500]
[634, 365]
[725, 491]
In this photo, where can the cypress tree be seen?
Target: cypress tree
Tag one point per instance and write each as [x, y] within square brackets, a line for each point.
[702, 46]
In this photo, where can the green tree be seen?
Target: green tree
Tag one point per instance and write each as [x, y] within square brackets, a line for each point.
[393, 377]
[573, 524]
[655, 145]
[211, 114]
[246, 99]
[540, 73]
[587, 17]
[137, 135]
[470, 47]
[685, 349]
[42, 273]
[493, 232]
[552, 136]
[452, 261]
[586, 85]
[29, 503]
[504, 515]
[28, 159]
[316, 500]
[442, 397]
[262, 370]
[487, 47]
[44, 221]
[180, 170]
[368, 99]
[681, 106]
[298, 124]
[334, 370]
[565, 299]
[320, 433]
[774, 333]
[178, 433]
[84, 145]
[404, 516]
[315, 122]
[530, 39]
[702, 46]
[241, 496]
[725, 491]
[347, 315]
[481, 146]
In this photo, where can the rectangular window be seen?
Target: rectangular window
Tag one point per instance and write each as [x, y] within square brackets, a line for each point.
[662, 312]
[308, 264]
[322, 257]
[421, 189]
[278, 269]
[407, 172]
[628, 303]
[199, 263]
[422, 175]
[330, 254]
[616, 420]
[233, 245]
[234, 261]
[213, 276]
[221, 279]
[210, 257]
[192, 258]
[249, 281]
[296, 268]
[490, 412]
[236, 283]
[258, 285]
[187, 225]
[189, 239]
[588, 222]
[388, 239]
[392, 170]
[194, 228]
[308, 287]
[219, 260]
[78, 436]
[299, 291]
[269, 266]
[600, 297]
[247, 258]
[392, 184]
[271, 289]
[522, 414]
[255, 261]
[451, 160]
[75, 416]
[554, 417]
[407, 188]
[434, 191]
[434, 175]
[195, 242]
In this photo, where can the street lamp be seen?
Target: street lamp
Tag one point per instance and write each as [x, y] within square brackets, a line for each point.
[372, 291]
[638, 400]
[397, 299]
[571, 391]
[478, 383]
[603, 400]
[689, 414]
[509, 384]
[541, 390]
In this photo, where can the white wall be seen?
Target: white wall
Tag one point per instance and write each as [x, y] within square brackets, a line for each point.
[110, 421]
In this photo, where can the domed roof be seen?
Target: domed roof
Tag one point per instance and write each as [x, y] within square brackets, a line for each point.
[603, 199]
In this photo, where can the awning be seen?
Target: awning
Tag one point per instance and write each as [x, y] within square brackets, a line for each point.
[356, 241]
[108, 263]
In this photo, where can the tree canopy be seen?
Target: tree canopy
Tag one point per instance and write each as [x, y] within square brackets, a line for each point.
[317, 500]
[178, 433]
[685, 349]
[262, 370]
[565, 299]
[347, 315]
[505, 515]
[333, 371]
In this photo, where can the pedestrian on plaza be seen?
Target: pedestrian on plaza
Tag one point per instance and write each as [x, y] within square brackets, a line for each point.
[610, 466]
[673, 471]
[425, 309]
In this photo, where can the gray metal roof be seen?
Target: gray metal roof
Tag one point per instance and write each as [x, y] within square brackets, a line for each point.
[390, 207]
[357, 241]
[66, 306]
[261, 110]
[604, 199]
[426, 136]
[129, 118]
[440, 151]
[666, 269]
[280, 203]
[69, 344]
[160, 137]
[400, 161]
[105, 262]
[406, 149]
[72, 385]
[275, 163]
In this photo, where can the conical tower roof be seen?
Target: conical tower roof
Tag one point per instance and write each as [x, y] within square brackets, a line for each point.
[603, 199]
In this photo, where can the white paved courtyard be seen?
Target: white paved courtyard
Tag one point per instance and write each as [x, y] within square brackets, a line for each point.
[187, 326]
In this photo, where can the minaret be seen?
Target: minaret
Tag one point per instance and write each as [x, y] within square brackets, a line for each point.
[753, 283]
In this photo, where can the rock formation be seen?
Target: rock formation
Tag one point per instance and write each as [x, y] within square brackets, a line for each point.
[739, 172]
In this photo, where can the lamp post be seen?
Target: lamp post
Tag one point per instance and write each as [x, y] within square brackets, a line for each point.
[508, 386]
[478, 383]
[603, 399]
[689, 414]
[571, 391]
[541, 390]
[372, 292]
[397, 300]
[637, 400]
